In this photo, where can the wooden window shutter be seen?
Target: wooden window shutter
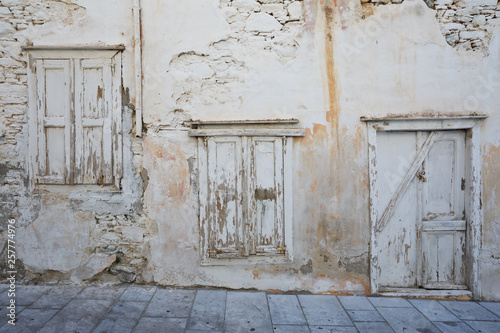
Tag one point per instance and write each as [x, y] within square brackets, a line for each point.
[93, 122]
[266, 195]
[54, 116]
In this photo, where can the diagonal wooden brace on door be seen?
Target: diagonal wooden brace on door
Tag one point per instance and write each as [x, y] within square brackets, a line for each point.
[403, 186]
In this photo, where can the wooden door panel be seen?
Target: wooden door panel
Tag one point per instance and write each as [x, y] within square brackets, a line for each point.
[443, 196]
[398, 239]
[443, 225]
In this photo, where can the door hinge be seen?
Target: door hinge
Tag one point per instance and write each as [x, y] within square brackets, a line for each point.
[463, 184]
[281, 250]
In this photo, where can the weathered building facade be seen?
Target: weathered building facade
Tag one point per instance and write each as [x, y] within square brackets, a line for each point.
[328, 146]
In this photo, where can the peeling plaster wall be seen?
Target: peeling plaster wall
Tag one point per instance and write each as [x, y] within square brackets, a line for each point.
[325, 63]
[66, 233]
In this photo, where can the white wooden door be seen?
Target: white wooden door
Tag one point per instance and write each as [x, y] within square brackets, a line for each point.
[421, 223]
[443, 223]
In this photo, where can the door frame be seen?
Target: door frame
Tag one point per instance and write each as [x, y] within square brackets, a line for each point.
[473, 206]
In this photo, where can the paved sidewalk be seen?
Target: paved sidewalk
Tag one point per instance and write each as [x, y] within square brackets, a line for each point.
[154, 309]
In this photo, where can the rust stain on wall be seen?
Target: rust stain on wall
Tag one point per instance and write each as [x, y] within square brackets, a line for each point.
[333, 111]
[168, 161]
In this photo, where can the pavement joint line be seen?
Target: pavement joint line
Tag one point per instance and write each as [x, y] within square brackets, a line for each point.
[489, 311]
[269, 310]
[303, 313]
[376, 309]
[143, 311]
[225, 311]
[190, 311]
[106, 312]
[58, 310]
[432, 322]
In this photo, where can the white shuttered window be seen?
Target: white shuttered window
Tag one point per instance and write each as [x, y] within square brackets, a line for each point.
[75, 117]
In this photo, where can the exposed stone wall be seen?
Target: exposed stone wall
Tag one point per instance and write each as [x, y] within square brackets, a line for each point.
[121, 236]
[466, 25]
[65, 235]
[268, 28]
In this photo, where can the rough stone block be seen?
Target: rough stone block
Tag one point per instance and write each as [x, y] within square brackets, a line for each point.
[134, 234]
[494, 22]
[6, 29]
[271, 8]
[5, 12]
[262, 22]
[11, 3]
[246, 5]
[94, 265]
[475, 34]
[295, 10]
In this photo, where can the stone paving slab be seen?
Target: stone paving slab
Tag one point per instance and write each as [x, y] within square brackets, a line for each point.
[32, 319]
[355, 303]
[4, 311]
[247, 312]
[56, 298]
[407, 320]
[484, 326]
[105, 293]
[364, 316]
[373, 327]
[453, 327]
[433, 310]
[171, 303]
[389, 302]
[333, 329]
[120, 309]
[469, 310]
[324, 310]
[492, 306]
[290, 329]
[80, 315]
[148, 325]
[285, 310]
[208, 310]
[122, 317]
[138, 293]
[26, 295]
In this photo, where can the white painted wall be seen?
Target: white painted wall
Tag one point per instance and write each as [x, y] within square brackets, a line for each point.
[220, 60]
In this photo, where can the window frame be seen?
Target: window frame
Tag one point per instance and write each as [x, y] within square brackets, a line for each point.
[248, 132]
[110, 56]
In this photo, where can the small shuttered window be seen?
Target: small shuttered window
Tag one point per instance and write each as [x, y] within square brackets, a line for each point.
[245, 189]
[75, 117]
